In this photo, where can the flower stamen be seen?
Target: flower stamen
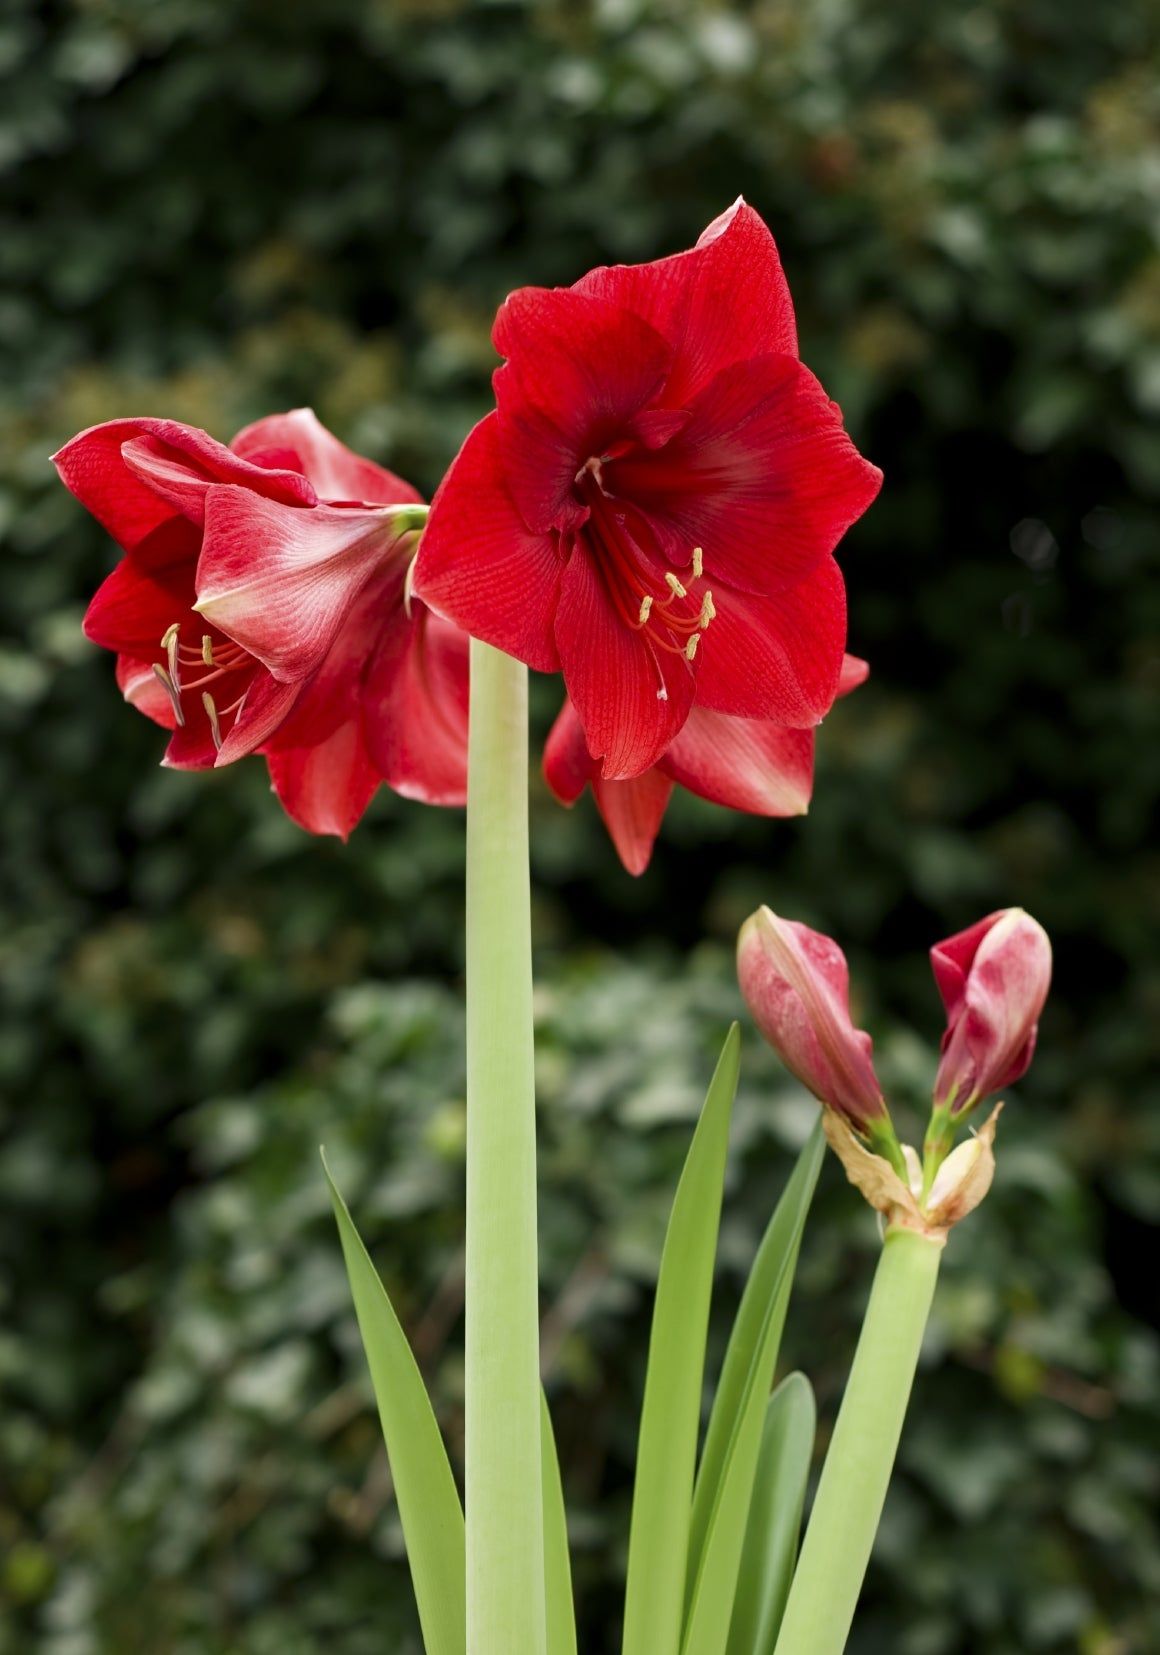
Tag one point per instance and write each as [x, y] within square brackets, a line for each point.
[211, 713]
[171, 691]
[169, 643]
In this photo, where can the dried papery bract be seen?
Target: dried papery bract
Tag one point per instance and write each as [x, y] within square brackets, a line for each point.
[960, 1184]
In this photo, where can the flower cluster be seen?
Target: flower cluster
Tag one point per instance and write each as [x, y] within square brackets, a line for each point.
[651, 510]
[993, 978]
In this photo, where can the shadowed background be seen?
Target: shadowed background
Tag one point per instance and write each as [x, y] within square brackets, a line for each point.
[213, 209]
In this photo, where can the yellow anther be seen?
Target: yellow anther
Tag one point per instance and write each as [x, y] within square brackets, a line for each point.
[169, 642]
[708, 611]
[212, 714]
[171, 691]
[691, 646]
[675, 586]
[207, 650]
[698, 562]
[646, 604]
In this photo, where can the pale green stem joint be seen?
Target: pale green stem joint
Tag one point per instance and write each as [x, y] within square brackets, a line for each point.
[856, 1475]
[504, 1496]
[938, 1142]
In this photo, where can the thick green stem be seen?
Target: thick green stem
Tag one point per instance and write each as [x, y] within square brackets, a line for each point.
[505, 1547]
[856, 1474]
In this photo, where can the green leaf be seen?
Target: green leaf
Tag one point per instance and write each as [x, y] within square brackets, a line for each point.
[775, 1518]
[557, 1569]
[733, 1440]
[670, 1416]
[428, 1499]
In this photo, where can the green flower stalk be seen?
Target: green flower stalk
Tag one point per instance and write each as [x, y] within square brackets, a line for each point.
[504, 1506]
[856, 1475]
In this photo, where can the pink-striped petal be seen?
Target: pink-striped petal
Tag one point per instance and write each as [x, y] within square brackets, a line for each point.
[298, 441]
[281, 582]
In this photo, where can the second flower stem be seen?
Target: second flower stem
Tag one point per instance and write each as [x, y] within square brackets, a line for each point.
[856, 1475]
[505, 1548]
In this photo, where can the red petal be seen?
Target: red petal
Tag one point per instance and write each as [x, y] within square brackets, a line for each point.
[182, 475]
[744, 763]
[281, 581]
[724, 301]
[854, 672]
[191, 746]
[568, 765]
[776, 658]
[136, 474]
[142, 689]
[579, 370]
[480, 566]
[135, 605]
[327, 787]
[631, 698]
[333, 694]
[415, 709]
[266, 707]
[632, 812]
[762, 476]
[298, 441]
[92, 469]
[632, 809]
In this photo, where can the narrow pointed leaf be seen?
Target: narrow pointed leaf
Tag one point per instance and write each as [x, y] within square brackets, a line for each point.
[748, 1327]
[429, 1505]
[724, 1498]
[775, 1518]
[557, 1569]
[670, 1416]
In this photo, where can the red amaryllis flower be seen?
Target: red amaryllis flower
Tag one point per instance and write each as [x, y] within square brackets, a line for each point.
[261, 606]
[993, 978]
[654, 504]
[743, 763]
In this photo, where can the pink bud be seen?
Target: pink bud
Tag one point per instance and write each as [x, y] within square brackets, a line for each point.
[993, 979]
[797, 986]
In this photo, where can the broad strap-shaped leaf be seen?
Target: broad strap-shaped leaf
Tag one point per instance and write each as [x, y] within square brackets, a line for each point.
[775, 1518]
[670, 1416]
[557, 1569]
[725, 1482]
[428, 1499]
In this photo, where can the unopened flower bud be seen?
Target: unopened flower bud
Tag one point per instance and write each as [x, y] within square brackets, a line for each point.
[797, 985]
[993, 979]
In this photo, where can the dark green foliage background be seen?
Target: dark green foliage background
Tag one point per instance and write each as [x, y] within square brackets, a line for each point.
[214, 208]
